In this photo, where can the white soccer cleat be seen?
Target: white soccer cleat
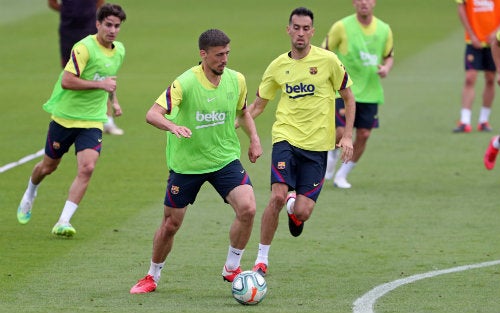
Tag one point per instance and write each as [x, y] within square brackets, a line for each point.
[341, 182]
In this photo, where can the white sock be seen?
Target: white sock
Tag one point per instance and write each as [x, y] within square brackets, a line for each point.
[263, 254]
[31, 190]
[333, 156]
[484, 114]
[233, 258]
[68, 211]
[496, 144]
[465, 116]
[289, 205]
[345, 169]
[155, 270]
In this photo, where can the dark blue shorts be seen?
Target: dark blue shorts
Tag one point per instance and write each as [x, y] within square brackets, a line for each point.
[478, 59]
[60, 138]
[302, 170]
[182, 189]
[366, 114]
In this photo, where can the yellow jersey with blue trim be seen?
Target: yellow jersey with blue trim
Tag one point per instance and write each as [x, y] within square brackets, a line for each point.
[306, 110]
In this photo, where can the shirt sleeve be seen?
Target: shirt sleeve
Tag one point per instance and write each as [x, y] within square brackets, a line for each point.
[171, 97]
[340, 78]
[78, 59]
[242, 100]
[268, 86]
[389, 45]
[336, 38]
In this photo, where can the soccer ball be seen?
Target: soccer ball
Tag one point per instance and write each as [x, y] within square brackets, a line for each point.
[249, 287]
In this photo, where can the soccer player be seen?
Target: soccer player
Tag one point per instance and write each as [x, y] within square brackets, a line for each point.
[202, 106]
[490, 156]
[364, 44]
[304, 130]
[77, 20]
[78, 109]
[480, 20]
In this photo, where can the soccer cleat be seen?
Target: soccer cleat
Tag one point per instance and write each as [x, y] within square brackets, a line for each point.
[112, 129]
[462, 128]
[229, 275]
[341, 182]
[294, 224]
[260, 268]
[145, 285]
[63, 229]
[484, 127]
[24, 210]
[490, 155]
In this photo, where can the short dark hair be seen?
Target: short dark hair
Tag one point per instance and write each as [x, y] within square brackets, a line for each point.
[109, 9]
[301, 11]
[213, 38]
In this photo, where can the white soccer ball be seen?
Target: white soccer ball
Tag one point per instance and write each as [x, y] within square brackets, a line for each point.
[249, 287]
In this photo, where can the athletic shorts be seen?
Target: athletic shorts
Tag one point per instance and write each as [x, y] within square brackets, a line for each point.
[478, 59]
[60, 138]
[182, 189]
[366, 114]
[302, 170]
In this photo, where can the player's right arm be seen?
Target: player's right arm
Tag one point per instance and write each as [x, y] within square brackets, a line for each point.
[164, 105]
[495, 52]
[76, 65]
[73, 82]
[462, 14]
[156, 117]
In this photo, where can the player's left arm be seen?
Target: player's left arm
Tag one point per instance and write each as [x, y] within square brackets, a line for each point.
[388, 60]
[114, 104]
[350, 110]
[247, 123]
[245, 120]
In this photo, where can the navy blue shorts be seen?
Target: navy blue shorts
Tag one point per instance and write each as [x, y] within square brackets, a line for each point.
[302, 170]
[182, 189]
[478, 59]
[366, 114]
[60, 138]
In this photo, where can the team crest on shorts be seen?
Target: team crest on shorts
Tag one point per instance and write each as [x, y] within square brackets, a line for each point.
[174, 190]
[56, 145]
[313, 70]
[281, 165]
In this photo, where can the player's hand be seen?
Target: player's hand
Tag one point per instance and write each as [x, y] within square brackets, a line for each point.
[117, 109]
[345, 144]
[255, 150]
[109, 84]
[181, 131]
[382, 71]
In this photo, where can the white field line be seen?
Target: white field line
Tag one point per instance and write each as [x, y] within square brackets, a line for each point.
[23, 160]
[365, 303]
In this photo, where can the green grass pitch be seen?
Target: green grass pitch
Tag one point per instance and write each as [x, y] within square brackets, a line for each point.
[421, 198]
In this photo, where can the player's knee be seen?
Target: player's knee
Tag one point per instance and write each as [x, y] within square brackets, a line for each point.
[278, 200]
[302, 215]
[246, 213]
[86, 169]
